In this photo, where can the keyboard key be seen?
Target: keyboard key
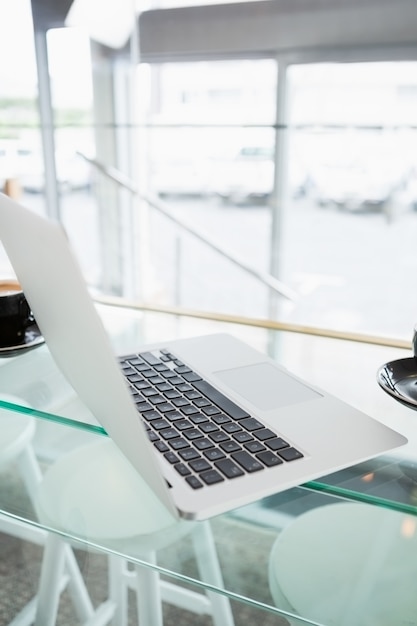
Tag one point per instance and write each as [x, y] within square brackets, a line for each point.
[169, 433]
[168, 374]
[182, 369]
[199, 465]
[221, 419]
[211, 477]
[141, 384]
[194, 482]
[158, 399]
[192, 394]
[290, 454]
[251, 424]
[188, 454]
[134, 360]
[161, 446]
[254, 446]
[178, 443]
[182, 469]
[180, 401]
[191, 377]
[210, 409]
[164, 387]
[133, 378]
[189, 410]
[165, 407]
[150, 358]
[203, 444]
[171, 394]
[242, 436]
[218, 436]
[193, 434]
[213, 454]
[198, 419]
[149, 391]
[173, 416]
[183, 424]
[199, 401]
[247, 461]
[220, 400]
[143, 406]
[228, 468]
[130, 373]
[176, 380]
[170, 456]
[160, 424]
[208, 427]
[231, 427]
[230, 446]
[269, 458]
[264, 433]
[156, 380]
[147, 373]
[276, 444]
[151, 415]
[184, 388]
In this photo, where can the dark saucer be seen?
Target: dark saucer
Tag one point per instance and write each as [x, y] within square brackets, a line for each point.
[32, 339]
[399, 379]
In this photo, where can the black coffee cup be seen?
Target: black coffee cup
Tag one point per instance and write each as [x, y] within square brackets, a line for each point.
[15, 314]
[414, 346]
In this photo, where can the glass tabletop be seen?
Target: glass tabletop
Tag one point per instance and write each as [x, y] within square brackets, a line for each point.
[249, 542]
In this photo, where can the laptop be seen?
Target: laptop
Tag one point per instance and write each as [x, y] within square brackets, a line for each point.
[209, 423]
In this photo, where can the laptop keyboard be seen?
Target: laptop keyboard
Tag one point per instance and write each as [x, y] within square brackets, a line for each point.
[206, 437]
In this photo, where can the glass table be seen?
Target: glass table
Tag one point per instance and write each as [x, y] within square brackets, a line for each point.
[338, 550]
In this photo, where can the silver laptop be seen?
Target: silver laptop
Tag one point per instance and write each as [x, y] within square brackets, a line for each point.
[208, 422]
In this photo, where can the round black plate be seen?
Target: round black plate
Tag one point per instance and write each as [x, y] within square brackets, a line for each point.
[399, 379]
[33, 339]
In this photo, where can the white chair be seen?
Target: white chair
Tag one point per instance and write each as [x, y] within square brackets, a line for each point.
[347, 564]
[94, 493]
[16, 435]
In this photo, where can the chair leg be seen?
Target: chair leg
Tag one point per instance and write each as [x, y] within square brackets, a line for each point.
[209, 568]
[29, 470]
[76, 587]
[149, 599]
[50, 581]
[118, 589]
[59, 569]
[32, 476]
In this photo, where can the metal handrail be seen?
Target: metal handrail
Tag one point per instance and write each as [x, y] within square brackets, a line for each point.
[126, 183]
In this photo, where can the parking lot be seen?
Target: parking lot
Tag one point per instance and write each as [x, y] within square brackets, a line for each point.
[352, 271]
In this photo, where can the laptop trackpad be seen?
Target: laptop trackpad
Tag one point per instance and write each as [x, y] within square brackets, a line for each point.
[265, 386]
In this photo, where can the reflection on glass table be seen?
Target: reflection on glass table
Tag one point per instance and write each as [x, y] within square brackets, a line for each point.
[319, 551]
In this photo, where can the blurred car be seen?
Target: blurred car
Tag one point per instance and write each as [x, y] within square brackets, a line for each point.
[179, 177]
[73, 172]
[356, 186]
[249, 176]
